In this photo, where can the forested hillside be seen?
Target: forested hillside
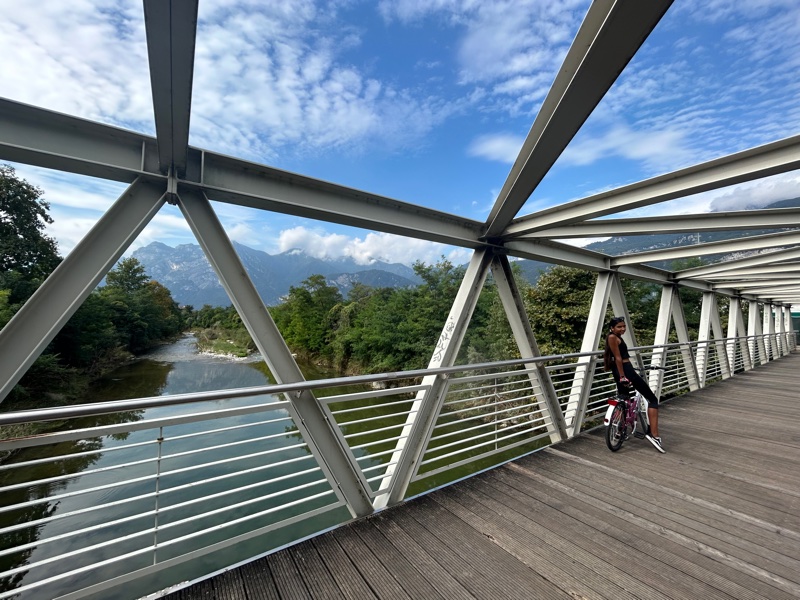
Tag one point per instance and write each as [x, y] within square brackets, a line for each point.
[129, 315]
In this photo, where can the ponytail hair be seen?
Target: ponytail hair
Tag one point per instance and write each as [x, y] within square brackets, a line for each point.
[607, 356]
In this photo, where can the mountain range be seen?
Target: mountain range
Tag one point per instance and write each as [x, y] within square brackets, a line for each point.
[187, 274]
[185, 271]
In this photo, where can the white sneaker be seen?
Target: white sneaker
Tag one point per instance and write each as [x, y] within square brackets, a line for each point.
[656, 441]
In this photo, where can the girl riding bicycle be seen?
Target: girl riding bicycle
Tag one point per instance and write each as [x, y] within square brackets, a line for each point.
[617, 360]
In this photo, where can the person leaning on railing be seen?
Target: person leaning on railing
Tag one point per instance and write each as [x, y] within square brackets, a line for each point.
[617, 360]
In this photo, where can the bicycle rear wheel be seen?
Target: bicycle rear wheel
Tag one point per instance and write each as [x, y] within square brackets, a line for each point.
[615, 430]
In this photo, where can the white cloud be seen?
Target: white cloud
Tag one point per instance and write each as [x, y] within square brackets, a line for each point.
[299, 97]
[758, 194]
[658, 150]
[373, 246]
[514, 45]
[88, 56]
[502, 147]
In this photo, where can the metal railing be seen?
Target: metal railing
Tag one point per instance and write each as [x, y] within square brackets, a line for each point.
[162, 490]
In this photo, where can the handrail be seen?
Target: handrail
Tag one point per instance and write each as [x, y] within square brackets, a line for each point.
[174, 488]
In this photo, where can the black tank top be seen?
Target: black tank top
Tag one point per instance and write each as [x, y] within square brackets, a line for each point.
[623, 348]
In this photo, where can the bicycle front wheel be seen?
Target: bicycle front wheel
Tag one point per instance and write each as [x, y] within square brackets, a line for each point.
[615, 430]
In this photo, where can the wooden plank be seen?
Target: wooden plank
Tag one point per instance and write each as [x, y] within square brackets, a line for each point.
[513, 578]
[287, 578]
[351, 583]
[662, 576]
[258, 581]
[772, 536]
[693, 533]
[657, 536]
[652, 549]
[475, 575]
[557, 560]
[408, 576]
[230, 586]
[505, 566]
[445, 583]
[674, 496]
[713, 518]
[381, 580]
[315, 574]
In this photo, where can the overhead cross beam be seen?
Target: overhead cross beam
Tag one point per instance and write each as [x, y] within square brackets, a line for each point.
[755, 242]
[763, 161]
[774, 218]
[171, 27]
[609, 36]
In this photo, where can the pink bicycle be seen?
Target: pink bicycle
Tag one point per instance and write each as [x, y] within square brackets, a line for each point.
[626, 415]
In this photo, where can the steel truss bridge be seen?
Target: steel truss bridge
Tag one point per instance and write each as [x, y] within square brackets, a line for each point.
[331, 466]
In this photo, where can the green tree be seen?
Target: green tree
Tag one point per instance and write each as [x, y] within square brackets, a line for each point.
[24, 247]
[305, 318]
[558, 307]
[128, 276]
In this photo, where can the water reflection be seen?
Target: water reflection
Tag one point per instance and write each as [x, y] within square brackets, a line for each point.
[67, 486]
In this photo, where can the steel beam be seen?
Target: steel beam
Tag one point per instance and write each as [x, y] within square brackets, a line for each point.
[769, 331]
[325, 443]
[755, 333]
[43, 138]
[528, 347]
[620, 308]
[766, 290]
[34, 326]
[710, 323]
[235, 181]
[52, 140]
[609, 36]
[780, 325]
[771, 159]
[171, 27]
[756, 286]
[425, 409]
[737, 330]
[682, 331]
[695, 223]
[585, 367]
[756, 242]
[753, 280]
[767, 258]
[560, 254]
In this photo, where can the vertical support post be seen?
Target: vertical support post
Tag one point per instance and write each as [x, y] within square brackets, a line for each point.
[780, 317]
[620, 308]
[325, 443]
[755, 333]
[769, 331]
[427, 404]
[737, 330]
[584, 369]
[35, 325]
[528, 347]
[790, 333]
[703, 336]
[682, 330]
[658, 359]
[719, 344]
[710, 318]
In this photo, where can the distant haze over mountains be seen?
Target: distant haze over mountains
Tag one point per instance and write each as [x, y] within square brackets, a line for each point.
[185, 271]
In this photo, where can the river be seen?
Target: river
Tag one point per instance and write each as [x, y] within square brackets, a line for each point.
[176, 368]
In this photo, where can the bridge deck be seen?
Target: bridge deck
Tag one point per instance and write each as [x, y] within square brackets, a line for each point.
[718, 516]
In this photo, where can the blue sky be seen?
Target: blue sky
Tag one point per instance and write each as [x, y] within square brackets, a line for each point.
[424, 101]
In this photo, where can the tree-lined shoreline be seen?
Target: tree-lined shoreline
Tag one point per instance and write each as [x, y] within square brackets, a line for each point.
[371, 330]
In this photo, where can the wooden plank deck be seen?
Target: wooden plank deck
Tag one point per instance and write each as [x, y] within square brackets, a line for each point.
[717, 516]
